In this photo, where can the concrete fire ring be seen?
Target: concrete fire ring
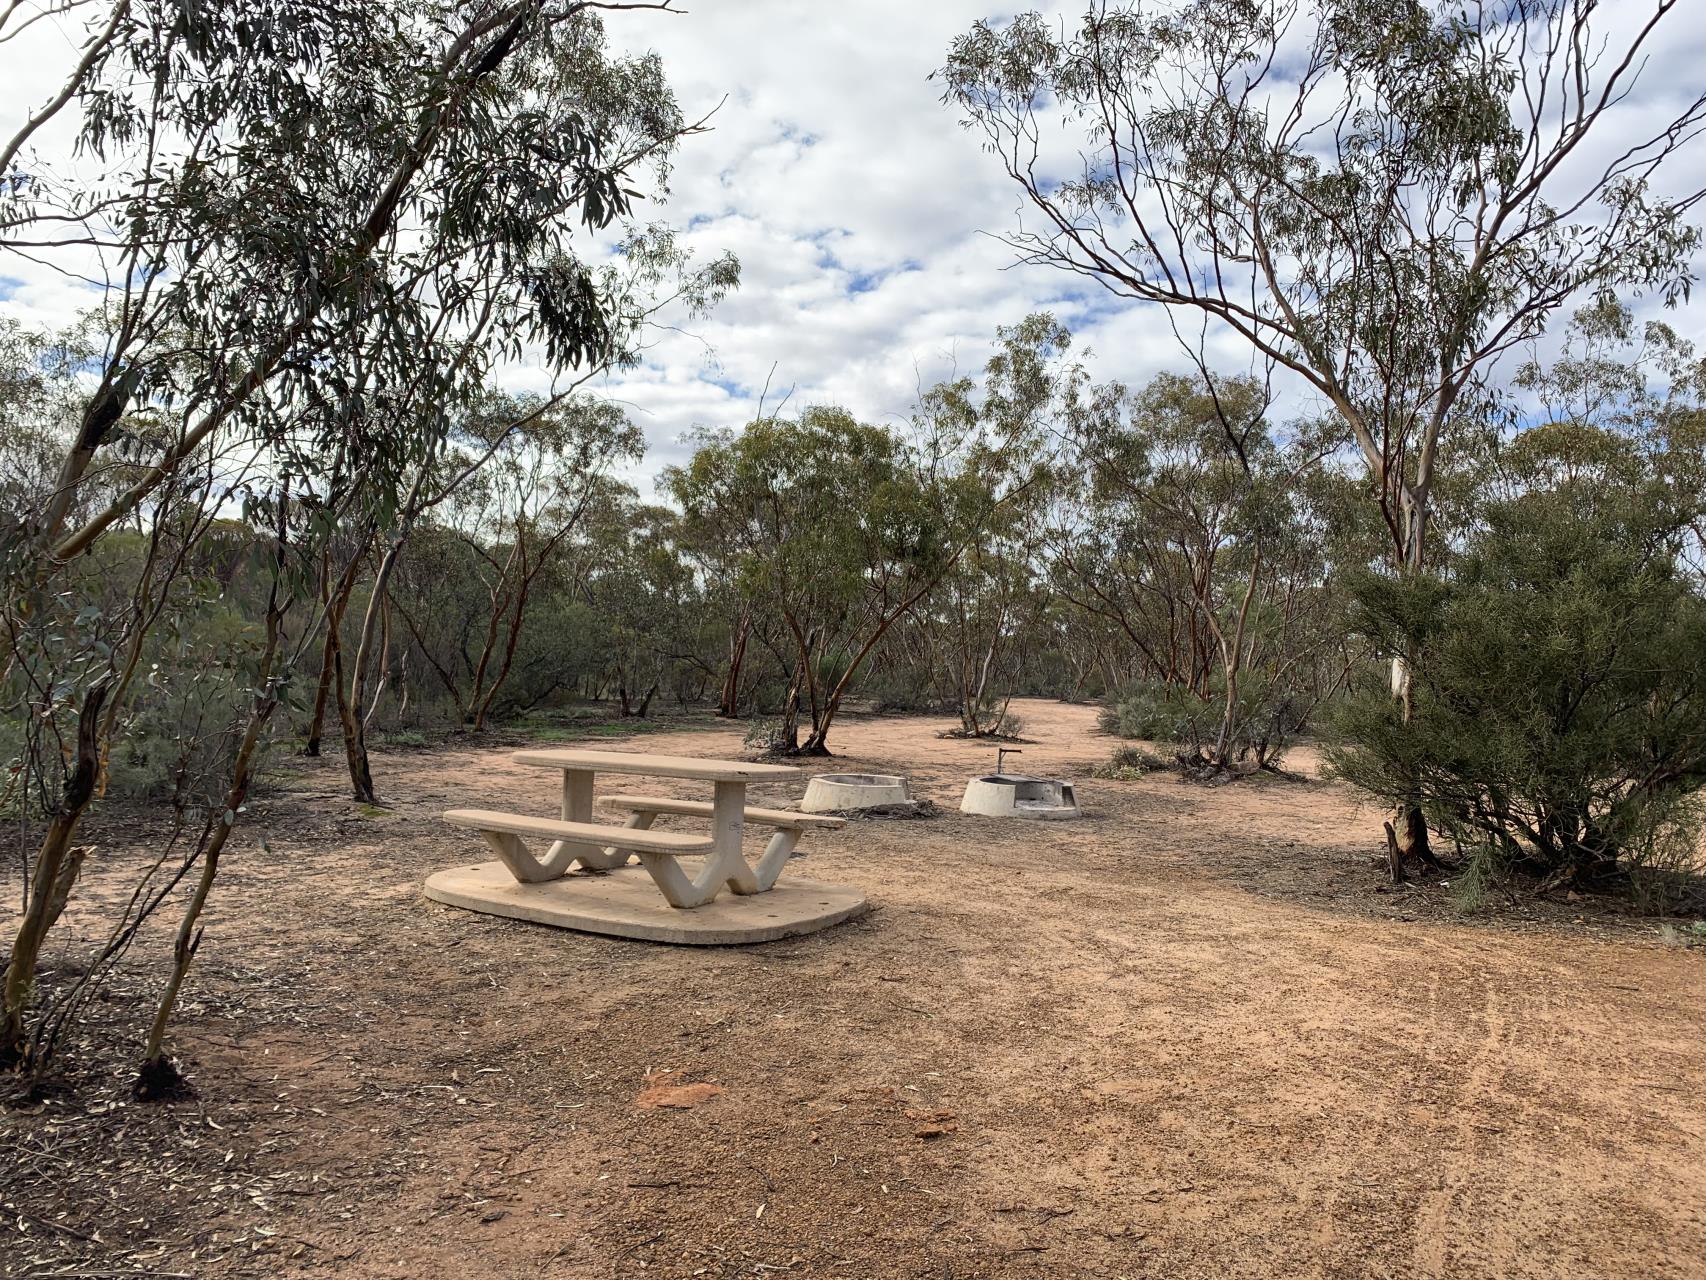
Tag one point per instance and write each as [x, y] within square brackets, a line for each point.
[838, 792]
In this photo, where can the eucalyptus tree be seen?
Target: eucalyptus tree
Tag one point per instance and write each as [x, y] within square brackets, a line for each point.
[1641, 384]
[1383, 198]
[1150, 540]
[976, 624]
[987, 443]
[832, 536]
[1190, 536]
[264, 670]
[637, 580]
[303, 221]
[652, 274]
[1560, 728]
[519, 512]
[309, 197]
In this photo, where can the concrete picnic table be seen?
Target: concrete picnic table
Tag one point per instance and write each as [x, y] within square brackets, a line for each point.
[603, 849]
[612, 900]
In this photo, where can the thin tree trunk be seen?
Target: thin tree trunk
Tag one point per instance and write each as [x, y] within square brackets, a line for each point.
[1232, 657]
[500, 601]
[728, 701]
[445, 677]
[355, 722]
[157, 1077]
[323, 689]
[56, 867]
[360, 768]
[1412, 826]
[337, 600]
[511, 641]
[788, 736]
[972, 699]
[818, 743]
[384, 669]
[361, 780]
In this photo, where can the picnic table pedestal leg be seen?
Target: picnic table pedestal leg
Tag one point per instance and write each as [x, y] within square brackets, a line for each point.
[728, 826]
[577, 807]
[724, 865]
[523, 865]
[776, 855]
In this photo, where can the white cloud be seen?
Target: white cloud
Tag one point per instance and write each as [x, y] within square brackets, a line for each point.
[857, 204]
[833, 167]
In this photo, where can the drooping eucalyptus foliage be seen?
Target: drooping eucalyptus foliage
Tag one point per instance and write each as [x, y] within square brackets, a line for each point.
[312, 227]
[1382, 197]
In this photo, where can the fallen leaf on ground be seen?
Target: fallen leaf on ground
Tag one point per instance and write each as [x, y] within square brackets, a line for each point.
[933, 1124]
[661, 1092]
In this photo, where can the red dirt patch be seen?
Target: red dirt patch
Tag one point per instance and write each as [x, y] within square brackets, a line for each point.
[663, 1091]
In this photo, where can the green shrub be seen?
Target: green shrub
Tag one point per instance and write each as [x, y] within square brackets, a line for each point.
[1558, 692]
[1128, 764]
[1153, 711]
[899, 690]
[764, 735]
[1266, 716]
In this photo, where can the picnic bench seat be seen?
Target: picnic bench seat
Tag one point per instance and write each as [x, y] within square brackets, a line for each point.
[790, 826]
[702, 809]
[595, 845]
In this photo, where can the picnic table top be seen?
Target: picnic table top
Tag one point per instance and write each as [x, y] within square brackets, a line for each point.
[655, 766]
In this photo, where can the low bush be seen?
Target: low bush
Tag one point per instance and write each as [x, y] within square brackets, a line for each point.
[1128, 764]
[400, 738]
[900, 691]
[1558, 696]
[1151, 711]
[1265, 718]
[764, 735]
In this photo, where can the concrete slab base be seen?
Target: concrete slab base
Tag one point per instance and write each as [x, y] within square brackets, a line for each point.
[626, 904]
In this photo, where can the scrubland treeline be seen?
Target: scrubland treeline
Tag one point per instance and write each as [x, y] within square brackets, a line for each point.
[268, 494]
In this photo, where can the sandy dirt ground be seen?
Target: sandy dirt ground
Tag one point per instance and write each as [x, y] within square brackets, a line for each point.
[1192, 1035]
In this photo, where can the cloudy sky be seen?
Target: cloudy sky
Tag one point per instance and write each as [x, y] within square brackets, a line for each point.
[859, 208]
[861, 212]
